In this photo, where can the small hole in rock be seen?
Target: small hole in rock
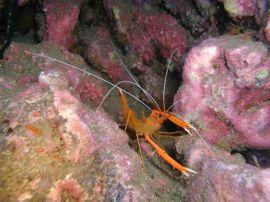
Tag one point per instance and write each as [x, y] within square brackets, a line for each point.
[255, 157]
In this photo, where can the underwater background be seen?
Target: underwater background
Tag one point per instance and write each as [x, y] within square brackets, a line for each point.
[63, 135]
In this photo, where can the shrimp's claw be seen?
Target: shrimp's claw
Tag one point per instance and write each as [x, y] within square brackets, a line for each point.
[163, 154]
[189, 170]
[173, 118]
[178, 121]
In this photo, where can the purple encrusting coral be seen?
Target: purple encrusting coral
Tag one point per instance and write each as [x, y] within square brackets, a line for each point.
[101, 53]
[61, 18]
[89, 91]
[145, 31]
[241, 10]
[196, 20]
[222, 176]
[226, 91]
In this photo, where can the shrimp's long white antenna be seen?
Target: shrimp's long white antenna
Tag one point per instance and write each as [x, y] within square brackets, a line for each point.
[117, 86]
[206, 144]
[190, 126]
[165, 79]
[197, 133]
[133, 78]
[178, 101]
[88, 73]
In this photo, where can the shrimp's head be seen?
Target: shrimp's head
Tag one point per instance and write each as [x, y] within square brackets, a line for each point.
[148, 125]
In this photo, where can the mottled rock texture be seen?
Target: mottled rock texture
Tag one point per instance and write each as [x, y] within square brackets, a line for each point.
[221, 176]
[55, 148]
[226, 91]
[61, 18]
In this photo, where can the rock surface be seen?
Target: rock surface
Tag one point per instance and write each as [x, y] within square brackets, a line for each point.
[145, 31]
[221, 176]
[102, 54]
[61, 18]
[55, 148]
[241, 10]
[56, 145]
[196, 22]
[226, 91]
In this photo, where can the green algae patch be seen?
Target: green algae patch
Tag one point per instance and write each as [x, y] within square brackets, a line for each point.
[116, 12]
[231, 6]
[262, 74]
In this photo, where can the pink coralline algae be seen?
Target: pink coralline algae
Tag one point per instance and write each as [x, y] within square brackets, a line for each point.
[165, 31]
[101, 53]
[143, 31]
[69, 187]
[82, 144]
[7, 83]
[61, 18]
[224, 177]
[225, 92]
[90, 90]
[241, 10]
[196, 20]
[267, 28]
[26, 80]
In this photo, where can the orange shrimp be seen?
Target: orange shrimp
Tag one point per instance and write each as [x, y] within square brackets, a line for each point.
[144, 127]
[150, 125]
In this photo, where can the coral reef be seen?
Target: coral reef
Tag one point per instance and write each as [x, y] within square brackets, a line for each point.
[196, 22]
[238, 8]
[55, 147]
[61, 18]
[241, 10]
[59, 143]
[225, 91]
[222, 176]
[101, 53]
[146, 31]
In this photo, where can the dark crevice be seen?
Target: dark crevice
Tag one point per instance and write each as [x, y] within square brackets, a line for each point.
[18, 23]
[222, 18]
[256, 157]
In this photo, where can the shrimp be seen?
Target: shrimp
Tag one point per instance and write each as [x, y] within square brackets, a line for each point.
[147, 126]
[144, 127]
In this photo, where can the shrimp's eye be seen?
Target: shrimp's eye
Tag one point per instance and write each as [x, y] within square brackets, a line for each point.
[156, 114]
